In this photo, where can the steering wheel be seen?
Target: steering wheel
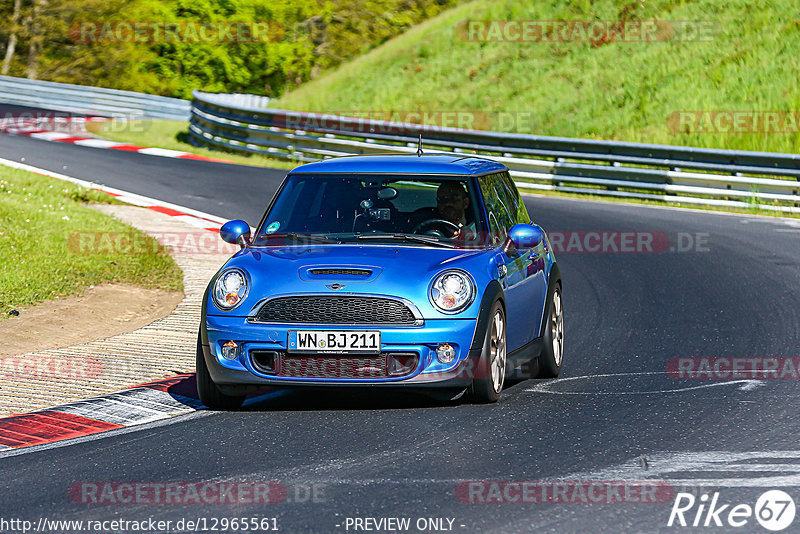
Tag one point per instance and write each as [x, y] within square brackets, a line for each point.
[437, 224]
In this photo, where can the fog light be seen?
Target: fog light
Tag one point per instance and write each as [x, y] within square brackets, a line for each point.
[446, 353]
[230, 350]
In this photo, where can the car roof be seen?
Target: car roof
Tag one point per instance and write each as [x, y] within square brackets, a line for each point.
[403, 164]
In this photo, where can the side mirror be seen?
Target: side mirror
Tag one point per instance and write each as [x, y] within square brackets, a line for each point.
[525, 236]
[235, 232]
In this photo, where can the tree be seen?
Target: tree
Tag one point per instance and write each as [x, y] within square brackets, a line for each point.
[12, 38]
[36, 38]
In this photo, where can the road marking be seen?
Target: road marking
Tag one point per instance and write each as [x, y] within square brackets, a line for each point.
[546, 387]
[161, 152]
[715, 468]
[98, 143]
[50, 136]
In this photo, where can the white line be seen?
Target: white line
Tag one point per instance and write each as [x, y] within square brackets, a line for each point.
[747, 385]
[161, 152]
[135, 199]
[731, 467]
[98, 143]
[194, 221]
[51, 136]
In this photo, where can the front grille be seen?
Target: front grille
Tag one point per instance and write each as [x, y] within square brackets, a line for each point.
[340, 272]
[326, 310]
[384, 365]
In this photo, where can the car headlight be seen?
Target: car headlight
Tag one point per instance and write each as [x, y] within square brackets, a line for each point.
[452, 291]
[230, 289]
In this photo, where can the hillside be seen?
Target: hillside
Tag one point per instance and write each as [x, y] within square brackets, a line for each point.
[170, 47]
[729, 67]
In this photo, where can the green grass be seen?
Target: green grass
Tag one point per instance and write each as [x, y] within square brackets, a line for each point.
[174, 135]
[40, 220]
[620, 90]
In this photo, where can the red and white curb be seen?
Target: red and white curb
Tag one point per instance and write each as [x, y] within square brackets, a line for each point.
[138, 405]
[114, 145]
[32, 128]
[190, 216]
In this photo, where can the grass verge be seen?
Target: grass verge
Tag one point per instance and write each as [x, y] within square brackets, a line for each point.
[38, 216]
[741, 58]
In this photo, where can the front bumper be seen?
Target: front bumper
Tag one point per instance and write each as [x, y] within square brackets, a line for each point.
[421, 340]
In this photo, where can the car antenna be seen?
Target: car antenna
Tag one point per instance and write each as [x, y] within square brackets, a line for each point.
[419, 146]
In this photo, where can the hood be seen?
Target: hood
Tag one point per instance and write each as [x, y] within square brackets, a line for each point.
[401, 271]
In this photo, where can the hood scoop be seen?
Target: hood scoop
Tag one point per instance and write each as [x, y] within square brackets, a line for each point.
[339, 273]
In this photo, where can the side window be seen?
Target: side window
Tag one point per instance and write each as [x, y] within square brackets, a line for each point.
[517, 205]
[500, 218]
[508, 210]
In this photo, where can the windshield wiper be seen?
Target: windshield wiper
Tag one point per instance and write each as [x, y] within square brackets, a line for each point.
[414, 238]
[316, 238]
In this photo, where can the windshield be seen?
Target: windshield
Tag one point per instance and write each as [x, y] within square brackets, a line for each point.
[418, 210]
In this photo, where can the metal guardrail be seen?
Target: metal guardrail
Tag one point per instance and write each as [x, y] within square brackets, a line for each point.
[608, 168]
[91, 100]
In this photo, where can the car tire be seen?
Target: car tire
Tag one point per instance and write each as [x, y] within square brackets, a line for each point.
[490, 372]
[209, 393]
[552, 357]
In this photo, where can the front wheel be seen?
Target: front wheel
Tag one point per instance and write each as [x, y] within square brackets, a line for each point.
[209, 393]
[491, 369]
[552, 356]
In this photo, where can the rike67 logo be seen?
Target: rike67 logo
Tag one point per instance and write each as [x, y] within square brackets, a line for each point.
[774, 510]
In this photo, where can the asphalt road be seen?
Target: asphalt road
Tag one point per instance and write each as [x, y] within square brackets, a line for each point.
[627, 314]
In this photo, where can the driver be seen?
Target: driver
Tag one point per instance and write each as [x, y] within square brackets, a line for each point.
[451, 205]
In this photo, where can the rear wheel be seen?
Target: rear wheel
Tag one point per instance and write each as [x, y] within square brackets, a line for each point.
[209, 393]
[552, 356]
[491, 368]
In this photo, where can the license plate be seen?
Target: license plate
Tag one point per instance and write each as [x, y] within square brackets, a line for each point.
[334, 341]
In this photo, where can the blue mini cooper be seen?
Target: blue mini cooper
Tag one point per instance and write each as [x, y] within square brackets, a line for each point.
[385, 271]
